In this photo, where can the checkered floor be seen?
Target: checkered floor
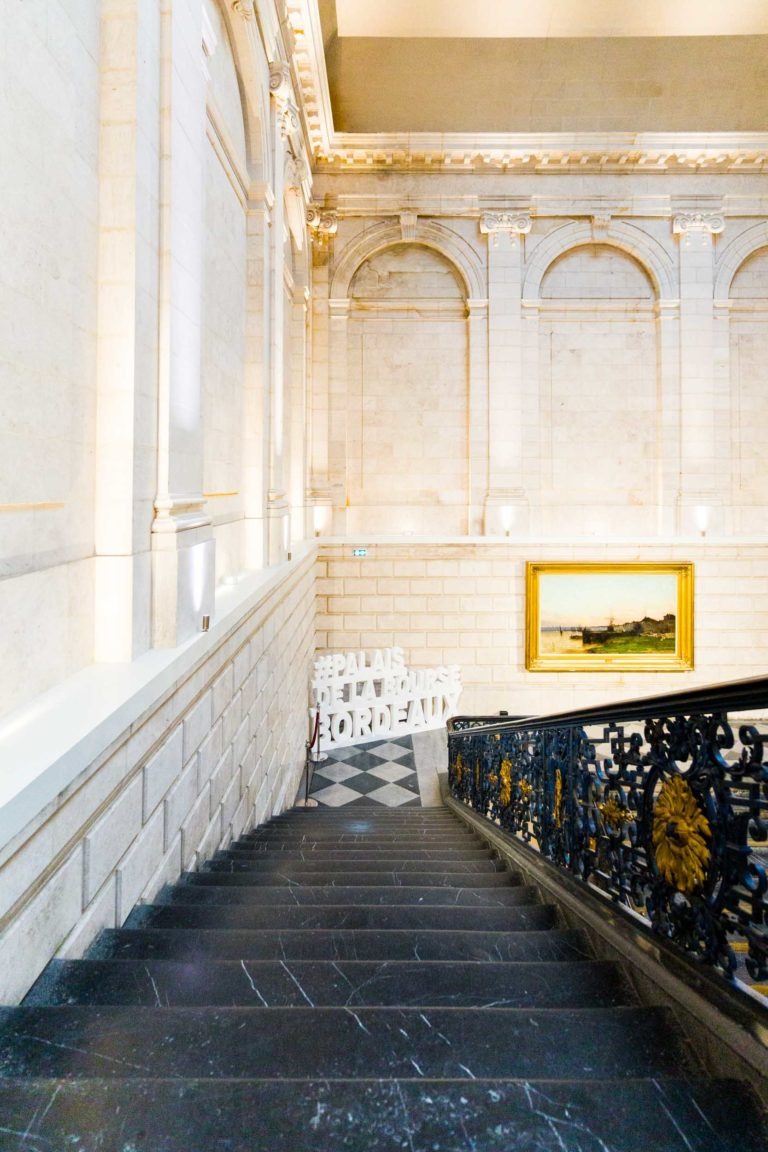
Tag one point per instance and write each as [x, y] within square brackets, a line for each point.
[382, 772]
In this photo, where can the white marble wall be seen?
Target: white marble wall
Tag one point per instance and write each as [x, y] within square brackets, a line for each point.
[49, 125]
[166, 783]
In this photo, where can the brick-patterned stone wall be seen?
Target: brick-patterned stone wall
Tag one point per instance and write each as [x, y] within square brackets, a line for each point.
[221, 751]
[465, 604]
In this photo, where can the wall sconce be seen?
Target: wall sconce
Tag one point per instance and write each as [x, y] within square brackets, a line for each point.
[701, 518]
[507, 516]
[319, 518]
[206, 623]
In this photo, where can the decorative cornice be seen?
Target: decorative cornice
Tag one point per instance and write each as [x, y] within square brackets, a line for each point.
[322, 224]
[244, 8]
[685, 222]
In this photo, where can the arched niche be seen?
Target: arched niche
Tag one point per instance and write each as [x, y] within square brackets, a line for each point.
[598, 360]
[407, 467]
[429, 234]
[627, 238]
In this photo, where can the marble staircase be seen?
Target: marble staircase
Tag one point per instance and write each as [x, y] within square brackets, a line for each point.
[362, 980]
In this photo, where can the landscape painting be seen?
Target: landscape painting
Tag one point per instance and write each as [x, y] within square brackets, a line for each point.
[600, 617]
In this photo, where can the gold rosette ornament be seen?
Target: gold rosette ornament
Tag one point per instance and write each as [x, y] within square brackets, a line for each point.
[680, 832]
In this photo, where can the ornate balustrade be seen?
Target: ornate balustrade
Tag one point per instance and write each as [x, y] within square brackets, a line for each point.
[660, 804]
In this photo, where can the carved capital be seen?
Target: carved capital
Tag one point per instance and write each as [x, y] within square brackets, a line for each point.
[701, 222]
[601, 221]
[280, 82]
[244, 9]
[296, 172]
[322, 224]
[513, 223]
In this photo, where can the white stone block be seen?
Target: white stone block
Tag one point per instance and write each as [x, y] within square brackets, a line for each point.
[110, 837]
[161, 771]
[138, 865]
[40, 929]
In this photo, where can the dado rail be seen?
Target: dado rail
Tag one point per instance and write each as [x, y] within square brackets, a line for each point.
[660, 804]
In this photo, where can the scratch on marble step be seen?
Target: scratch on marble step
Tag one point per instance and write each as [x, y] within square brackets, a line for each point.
[252, 984]
[553, 1122]
[154, 987]
[404, 1106]
[296, 982]
[416, 1066]
[36, 1121]
[82, 1051]
[23, 1135]
[704, 1117]
[671, 1118]
[359, 1022]
[468, 1071]
[423, 1017]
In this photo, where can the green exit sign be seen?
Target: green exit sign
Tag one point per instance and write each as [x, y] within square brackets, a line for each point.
[359, 551]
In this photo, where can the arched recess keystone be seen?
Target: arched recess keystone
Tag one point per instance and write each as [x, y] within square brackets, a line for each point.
[734, 255]
[630, 239]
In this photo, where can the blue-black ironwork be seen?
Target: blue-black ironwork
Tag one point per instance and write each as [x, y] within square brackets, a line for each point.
[661, 803]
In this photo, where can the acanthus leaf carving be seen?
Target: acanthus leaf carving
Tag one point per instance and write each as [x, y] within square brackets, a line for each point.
[686, 222]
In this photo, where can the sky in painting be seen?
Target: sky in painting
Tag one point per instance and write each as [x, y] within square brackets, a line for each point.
[591, 599]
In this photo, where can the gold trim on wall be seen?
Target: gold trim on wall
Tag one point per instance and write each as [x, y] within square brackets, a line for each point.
[218, 495]
[594, 649]
[40, 506]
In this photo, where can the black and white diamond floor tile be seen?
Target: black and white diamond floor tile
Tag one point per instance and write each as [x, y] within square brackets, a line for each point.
[380, 773]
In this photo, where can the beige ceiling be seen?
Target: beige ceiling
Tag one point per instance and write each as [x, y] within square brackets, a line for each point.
[514, 19]
[573, 66]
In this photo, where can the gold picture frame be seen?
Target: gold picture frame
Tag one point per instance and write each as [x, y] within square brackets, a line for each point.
[604, 617]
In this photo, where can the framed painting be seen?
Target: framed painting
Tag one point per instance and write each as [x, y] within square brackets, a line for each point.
[609, 617]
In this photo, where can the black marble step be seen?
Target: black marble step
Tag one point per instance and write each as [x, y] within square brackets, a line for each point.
[341, 1043]
[165, 983]
[338, 944]
[369, 876]
[381, 838]
[288, 864]
[203, 1115]
[371, 917]
[195, 892]
[334, 851]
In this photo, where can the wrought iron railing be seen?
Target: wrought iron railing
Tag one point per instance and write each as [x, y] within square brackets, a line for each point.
[661, 804]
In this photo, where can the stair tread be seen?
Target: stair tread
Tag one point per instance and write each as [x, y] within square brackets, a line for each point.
[337, 944]
[363, 916]
[358, 876]
[166, 983]
[314, 895]
[271, 1043]
[262, 862]
[669, 1115]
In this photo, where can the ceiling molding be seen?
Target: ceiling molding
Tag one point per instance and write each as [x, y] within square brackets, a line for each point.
[657, 152]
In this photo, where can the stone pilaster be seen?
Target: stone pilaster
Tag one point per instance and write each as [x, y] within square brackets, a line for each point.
[700, 500]
[506, 505]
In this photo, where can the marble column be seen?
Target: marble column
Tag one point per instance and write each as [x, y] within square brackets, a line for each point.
[700, 500]
[183, 549]
[506, 504]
